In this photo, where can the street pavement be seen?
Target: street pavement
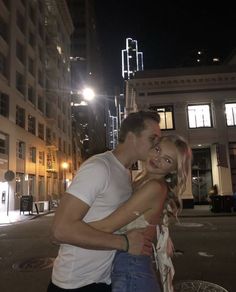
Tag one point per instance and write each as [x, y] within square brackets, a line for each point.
[204, 242]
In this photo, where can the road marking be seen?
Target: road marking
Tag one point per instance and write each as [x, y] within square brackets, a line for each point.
[205, 254]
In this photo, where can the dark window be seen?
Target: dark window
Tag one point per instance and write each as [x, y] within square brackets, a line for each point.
[31, 124]
[3, 65]
[40, 103]
[41, 131]
[20, 82]
[6, 3]
[20, 21]
[31, 66]
[20, 52]
[32, 14]
[4, 104]
[31, 95]
[40, 78]
[20, 116]
[40, 30]
[32, 39]
[3, 29]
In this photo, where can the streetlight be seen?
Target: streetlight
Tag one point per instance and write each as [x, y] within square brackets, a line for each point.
[88, 94]
[64, 166]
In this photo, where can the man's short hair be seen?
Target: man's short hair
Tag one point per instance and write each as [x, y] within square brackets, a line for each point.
[135, 122]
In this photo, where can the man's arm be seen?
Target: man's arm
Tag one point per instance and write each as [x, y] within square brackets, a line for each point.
[69, 228]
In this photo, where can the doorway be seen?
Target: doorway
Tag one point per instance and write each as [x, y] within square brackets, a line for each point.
[201, 175]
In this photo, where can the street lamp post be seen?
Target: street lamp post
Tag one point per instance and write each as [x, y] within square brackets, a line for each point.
[64, 166]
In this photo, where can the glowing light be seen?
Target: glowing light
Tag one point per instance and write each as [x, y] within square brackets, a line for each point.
[64, 165]
[88, 94]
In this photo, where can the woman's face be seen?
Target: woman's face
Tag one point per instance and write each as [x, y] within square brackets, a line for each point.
[162, 159]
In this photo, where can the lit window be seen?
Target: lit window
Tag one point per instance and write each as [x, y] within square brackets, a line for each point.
[199, 116]
[20, 149]
[3, 143]
[166, 115]
[32, 154]
[230, 112]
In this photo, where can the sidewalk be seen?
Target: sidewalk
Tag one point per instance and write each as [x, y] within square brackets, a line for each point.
[198, 211]
[204, 211]
[15, 216]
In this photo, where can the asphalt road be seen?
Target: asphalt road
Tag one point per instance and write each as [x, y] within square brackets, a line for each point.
[205, 250]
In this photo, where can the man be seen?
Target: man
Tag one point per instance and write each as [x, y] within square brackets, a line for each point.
[101, 185]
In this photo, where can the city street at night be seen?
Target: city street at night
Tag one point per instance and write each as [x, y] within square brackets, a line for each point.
[205, 250]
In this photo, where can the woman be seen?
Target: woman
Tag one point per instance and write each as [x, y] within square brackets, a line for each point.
[156, 196]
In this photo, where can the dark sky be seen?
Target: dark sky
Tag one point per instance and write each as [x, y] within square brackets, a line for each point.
[167, 31]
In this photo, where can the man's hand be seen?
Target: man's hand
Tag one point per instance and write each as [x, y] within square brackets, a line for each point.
[138, 243]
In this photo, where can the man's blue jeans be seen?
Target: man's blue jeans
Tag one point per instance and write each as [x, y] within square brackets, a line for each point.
[133, 274]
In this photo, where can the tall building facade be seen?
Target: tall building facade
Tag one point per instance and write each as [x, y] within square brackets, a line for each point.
[35, 112]
[132, 59]
[89, 121]
[200, 104]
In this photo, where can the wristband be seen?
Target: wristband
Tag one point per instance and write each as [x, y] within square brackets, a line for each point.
[127, 242]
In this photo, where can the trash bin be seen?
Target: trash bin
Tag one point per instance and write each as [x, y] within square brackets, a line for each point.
[217, 204]
[227, 203]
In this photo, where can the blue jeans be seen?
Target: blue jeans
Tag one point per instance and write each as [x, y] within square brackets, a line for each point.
[133, 274]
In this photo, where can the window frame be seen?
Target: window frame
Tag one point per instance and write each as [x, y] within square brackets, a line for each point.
[210, 116]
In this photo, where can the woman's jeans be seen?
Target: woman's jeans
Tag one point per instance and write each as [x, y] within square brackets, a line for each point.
[133, 274]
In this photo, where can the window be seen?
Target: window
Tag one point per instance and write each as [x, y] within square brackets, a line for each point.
[20, 52]
[31, 178]
[20, 116]
[32, 14]
[31, 96]
[31, 39]
[20, 149]
[41, 131]
[20, 85]
[20, 21]
[32, 154]
[199, 116]
[3, 144]
[31, 124]
[167, 116]
[41, 158]
[4, 105]
[40, 78]
[41, 190]
[19, 183]
[48, 136]
[3, 65]
[31, 66]
[230, 112]
[40, 103]
[3, 29]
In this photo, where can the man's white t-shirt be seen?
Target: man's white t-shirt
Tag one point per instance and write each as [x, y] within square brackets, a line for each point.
[104, 184]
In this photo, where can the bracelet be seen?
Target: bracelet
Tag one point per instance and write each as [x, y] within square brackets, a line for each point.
[127, 242]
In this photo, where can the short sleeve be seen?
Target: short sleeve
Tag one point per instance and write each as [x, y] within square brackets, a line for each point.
[91, 180]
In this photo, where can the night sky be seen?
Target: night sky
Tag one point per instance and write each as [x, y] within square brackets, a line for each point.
[168, 32]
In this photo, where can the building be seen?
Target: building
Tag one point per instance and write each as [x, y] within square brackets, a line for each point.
[200, 104]
[132, 59]
[35, 112]
[86, 71]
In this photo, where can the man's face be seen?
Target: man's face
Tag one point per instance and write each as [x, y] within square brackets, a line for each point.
[147, 139]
